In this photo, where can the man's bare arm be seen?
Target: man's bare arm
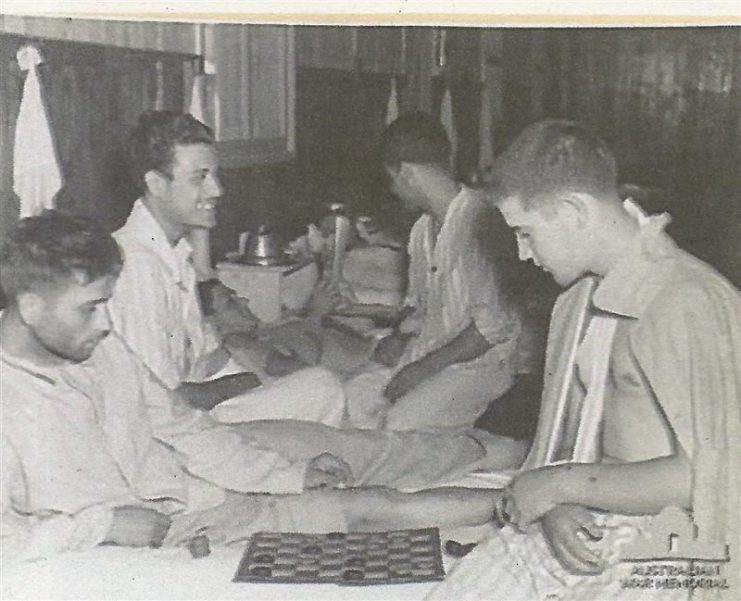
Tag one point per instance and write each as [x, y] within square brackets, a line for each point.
[382, 315]
[466, 346]
[380, 508]
[642, 487]
[206, 395]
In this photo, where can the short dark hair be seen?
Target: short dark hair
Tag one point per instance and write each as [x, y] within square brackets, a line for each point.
[153, 141]
[52, 246]
[415, 138]
[554, 156]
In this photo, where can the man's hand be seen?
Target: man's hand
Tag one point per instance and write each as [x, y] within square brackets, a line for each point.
[389, 350]
[295, 337]
[231, 312]
[282, 363]
[529, 496]
[248, 351]
[407, 378]
[564, 528]
[327, 470]
[325, 298]
[134, 526]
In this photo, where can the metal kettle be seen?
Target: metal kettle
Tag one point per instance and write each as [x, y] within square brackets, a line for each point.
[264, 248]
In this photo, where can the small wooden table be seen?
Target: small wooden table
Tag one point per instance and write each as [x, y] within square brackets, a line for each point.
[271, 289]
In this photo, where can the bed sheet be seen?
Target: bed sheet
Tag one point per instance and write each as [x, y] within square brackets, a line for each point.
[128, 573]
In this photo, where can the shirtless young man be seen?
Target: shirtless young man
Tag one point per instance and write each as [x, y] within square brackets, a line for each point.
[642, 399]
[94, 450]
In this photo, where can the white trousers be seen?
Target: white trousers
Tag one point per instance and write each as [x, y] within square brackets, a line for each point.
[313, 394]
[454, 397]
[521, 567]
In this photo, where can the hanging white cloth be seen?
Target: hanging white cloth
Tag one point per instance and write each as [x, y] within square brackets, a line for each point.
[446, 117]
[486, 148]
[392, 107]
[200, 238]
[197, 99]
[36, 173]
[159, 99]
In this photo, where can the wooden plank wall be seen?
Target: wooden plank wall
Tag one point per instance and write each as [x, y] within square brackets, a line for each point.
[141, 35]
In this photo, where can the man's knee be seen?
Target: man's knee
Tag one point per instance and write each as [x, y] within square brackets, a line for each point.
[326, 390]
[324, 384]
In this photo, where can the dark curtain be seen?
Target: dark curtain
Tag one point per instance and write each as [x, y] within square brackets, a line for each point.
[340, 117]
[465, 96]
[93, 95]
[661, 97]
[667, 101]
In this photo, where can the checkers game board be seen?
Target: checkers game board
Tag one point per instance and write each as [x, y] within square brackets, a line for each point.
[353, 558]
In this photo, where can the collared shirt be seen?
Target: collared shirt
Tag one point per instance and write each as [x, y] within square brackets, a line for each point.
[63, 466]
[80, 439]
[155, 306]
[674, 379]
[454, 281]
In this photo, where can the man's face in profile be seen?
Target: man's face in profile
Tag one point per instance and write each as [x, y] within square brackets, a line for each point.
[400, 187]
[548, 237]
[73, 317]
[191, 192]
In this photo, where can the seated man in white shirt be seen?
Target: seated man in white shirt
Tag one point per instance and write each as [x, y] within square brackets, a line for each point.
[94, 450]
[156, 309]
[455, 348]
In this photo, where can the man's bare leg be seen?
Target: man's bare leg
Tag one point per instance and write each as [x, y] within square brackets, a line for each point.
[380, 508]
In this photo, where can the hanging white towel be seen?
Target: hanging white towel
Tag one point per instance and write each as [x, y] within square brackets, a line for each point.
[392, 107]
[159, 99]
[486, 148]
[36, 173]
[200, 238]
[446, 116]
[197, 105]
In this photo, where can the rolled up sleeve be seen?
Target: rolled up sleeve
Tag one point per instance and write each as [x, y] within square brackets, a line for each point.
[29, 537]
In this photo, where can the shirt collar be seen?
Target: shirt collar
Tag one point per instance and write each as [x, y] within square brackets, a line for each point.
[144, 227]
[142, 222]
[459, 198]
[630, 286]
[50, 375]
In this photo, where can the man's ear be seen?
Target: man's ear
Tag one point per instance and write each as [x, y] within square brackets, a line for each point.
[409, 172]
[578, 207]
[156, 182]
[31, 307]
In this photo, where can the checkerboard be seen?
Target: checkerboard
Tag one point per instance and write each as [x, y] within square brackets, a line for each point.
[352, 558]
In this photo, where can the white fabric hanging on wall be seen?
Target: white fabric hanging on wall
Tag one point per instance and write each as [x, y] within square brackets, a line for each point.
[486, 148]
[197, 99]
[392, 107]
[446, 117]
[200, 238]
[36, 173]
